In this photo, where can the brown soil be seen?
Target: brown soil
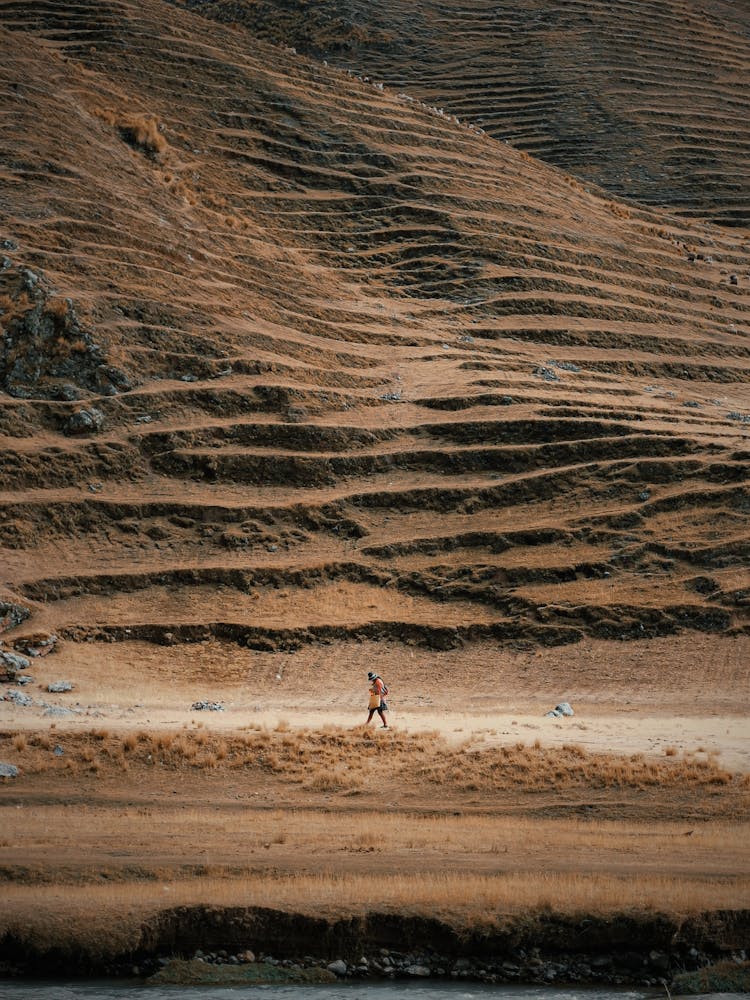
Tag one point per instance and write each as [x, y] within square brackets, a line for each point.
[299, 379]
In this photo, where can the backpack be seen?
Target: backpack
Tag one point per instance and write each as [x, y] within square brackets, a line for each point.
[385, 686]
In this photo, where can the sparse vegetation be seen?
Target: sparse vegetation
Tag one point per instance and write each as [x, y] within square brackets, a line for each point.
[143, 132]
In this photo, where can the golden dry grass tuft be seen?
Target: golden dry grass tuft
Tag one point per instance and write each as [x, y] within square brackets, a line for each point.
[537, 768]
[144, 132]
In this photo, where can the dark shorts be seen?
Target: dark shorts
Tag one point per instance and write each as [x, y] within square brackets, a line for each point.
[383, 705]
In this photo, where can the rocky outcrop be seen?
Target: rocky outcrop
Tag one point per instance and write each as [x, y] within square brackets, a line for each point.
[12, 614]
[46, 351]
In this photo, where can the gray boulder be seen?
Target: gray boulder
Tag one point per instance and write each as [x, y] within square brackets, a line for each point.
[13, 662]
[18, 698]
[338, 968]
[87, 421]
[8, 771]
[559, 711]
[12, 614]
[59, 687]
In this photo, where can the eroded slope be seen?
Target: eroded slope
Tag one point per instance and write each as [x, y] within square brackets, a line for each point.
[648, 99]
[288, 359]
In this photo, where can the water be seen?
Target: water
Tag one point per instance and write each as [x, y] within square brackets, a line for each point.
[383, 991]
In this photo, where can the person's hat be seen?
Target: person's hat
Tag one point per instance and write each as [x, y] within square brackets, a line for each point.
[370, 675]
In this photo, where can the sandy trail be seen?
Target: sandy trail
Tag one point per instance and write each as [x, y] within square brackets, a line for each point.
[643, 698]
[621, 732]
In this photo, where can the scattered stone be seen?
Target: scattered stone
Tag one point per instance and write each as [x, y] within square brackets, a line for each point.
[546, 373]
[733, 279]
[188, 378]
[564, 708]
[418, 970]
[692, 404]
[96, 487]
[744, 418]
[68, 393]
[40, 644]
[58, 751]
[566, 366]
[58, 711]
[8, 771]
[644, 495]
[144, 419]
[11, 663]
[207, 706]
[111, 377]
[24, 679]
[392, 397]
[59, 687]
[18, 698]
[338, 968]
[87, 421]
[12, 614]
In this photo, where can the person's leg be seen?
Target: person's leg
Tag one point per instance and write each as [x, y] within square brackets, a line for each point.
[383, 719]
[369, 717]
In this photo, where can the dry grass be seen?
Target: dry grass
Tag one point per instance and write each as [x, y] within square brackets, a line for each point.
[536, 768]
[468, 868]
[347, 760]
[165, 839]
[144, 131]
[99, 916]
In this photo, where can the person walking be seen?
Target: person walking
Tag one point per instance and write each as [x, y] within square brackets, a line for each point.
[377, 703]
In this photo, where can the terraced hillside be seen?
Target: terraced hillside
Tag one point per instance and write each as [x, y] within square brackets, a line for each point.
[287, 359]
[648, 99]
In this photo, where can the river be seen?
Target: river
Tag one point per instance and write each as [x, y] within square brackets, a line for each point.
[121, 990]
